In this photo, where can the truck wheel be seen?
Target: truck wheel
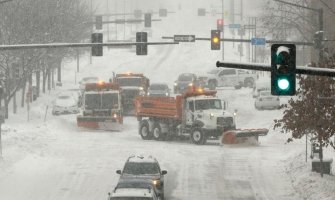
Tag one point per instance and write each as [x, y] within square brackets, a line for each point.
[238, 87]
[157, 132]
[197, 136]
[212, 85]
[144, 130]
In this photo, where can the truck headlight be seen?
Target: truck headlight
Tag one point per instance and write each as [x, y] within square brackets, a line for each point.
[190, 84]
[156, 183]
[167, 94]
[175, 84]
[211, 116]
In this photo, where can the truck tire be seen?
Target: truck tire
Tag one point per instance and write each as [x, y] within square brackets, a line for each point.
[198, 136]
[157, 132]
[249, 82]
[238, 87]
[144, 130]
[212, 84]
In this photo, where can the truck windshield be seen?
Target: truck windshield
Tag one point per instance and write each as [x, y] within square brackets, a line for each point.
[92, 101]
[207, 104]
[129, 81]
[101, 101]
[110, 101]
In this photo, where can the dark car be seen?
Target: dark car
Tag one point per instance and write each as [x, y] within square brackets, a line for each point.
[184, 82]
[159, 90]
[146, 168]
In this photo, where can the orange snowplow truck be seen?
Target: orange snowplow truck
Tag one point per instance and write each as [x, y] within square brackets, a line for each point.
[101, 107]
[196, 114]
[132, 85]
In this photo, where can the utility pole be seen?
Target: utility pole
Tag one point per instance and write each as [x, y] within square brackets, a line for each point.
[222, 44]
[91, 30]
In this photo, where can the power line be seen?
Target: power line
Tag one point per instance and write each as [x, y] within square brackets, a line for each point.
[327, 6]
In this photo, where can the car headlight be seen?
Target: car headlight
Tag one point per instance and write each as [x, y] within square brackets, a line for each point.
[190, 84]
[175, 84]
[114, 115]
[167, 94]
[141, 88]
[148, 93]
[211, 116]
[156, 183]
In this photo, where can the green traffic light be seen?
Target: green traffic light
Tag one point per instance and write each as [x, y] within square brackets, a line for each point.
[283, 84]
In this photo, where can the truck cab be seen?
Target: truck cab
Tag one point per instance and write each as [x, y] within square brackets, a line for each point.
[132, 85]
[208, 113]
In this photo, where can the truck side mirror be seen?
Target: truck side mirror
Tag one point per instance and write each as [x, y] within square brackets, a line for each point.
[118, 171]
[164, 172]
[225, 105]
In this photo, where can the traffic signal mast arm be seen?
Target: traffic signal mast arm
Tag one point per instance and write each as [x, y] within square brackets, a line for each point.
[63, 45]
[267, 67]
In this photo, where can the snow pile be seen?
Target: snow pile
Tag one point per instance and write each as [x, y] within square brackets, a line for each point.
[309, 184]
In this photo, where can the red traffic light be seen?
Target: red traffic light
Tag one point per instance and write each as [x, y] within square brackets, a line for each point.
[219, 22]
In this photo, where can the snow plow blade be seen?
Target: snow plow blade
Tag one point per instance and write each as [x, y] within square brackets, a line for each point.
[242, 135]
[99, 123]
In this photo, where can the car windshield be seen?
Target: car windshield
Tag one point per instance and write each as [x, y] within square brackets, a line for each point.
[185, 77]
[139, 168]
[208, 104]
[129, 81]
[158, 87]
[214, 71]
[63, 97]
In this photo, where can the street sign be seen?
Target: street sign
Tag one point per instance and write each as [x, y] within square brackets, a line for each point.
[234, 25]
[249, 26]
[184, 38]
[258, 41]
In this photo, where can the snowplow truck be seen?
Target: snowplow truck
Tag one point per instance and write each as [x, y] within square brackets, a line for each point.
[101, 107]
[196, 114]
[132, 85]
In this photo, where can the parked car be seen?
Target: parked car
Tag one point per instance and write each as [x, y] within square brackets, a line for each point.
[159, 90]
[65, 103]
[146, 168]
[226, 77]
[87, 80]
[185, 81]
[267, 101]
[134, 189]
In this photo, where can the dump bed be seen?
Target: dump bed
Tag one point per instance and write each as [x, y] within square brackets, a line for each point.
[160, 107]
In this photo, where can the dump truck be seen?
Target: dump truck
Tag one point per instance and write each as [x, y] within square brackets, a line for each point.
[102, 107]
[196, 114]
[132, 85]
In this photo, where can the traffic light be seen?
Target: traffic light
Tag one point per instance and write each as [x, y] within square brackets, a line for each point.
[147, 20]
[98, 22]
[318, 37]
[283, 66]
[141, 49]
[215, 40]
[97, 49]
[219, 24]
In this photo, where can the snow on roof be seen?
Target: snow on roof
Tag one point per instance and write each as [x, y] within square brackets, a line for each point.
[132, 192]
[141, 158]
